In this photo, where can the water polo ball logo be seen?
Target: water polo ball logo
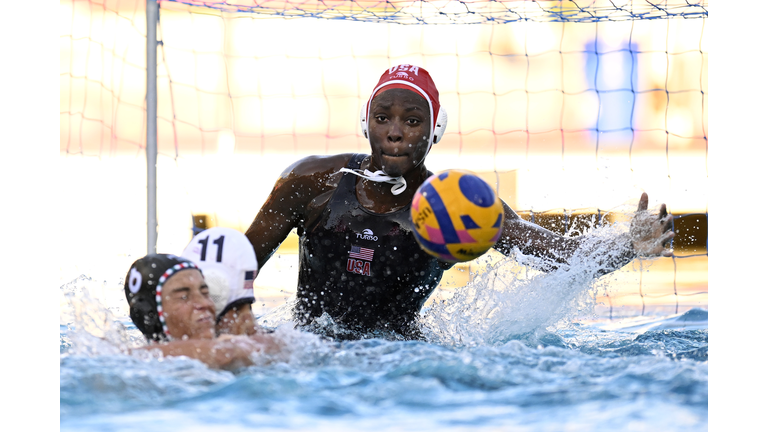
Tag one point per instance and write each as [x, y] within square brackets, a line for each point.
[456, 216]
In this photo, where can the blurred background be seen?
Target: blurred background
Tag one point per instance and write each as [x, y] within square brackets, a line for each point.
[569, 121]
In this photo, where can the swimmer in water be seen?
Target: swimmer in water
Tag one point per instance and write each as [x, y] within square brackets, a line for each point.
[170, 304]
[358, 260]
[227, 260]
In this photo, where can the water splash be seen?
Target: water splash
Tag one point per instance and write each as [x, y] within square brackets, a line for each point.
[88, 326]
[511, 300]
[91, 329]
[502, 353]
[278, 316]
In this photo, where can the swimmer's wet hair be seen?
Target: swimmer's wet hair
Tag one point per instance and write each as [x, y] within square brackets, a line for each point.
[144, 289]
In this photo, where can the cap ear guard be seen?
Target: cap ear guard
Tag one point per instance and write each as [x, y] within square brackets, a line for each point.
[143, 313]
[218, 288]
[363, 123]
[440, 124]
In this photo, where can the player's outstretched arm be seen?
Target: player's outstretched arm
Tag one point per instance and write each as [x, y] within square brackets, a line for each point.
[287, 205]
[532, 239]
[647, 236]
[219, 354]
[226, 352]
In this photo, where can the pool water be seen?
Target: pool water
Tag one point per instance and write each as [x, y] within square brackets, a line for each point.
[580, 379]
[509, 352]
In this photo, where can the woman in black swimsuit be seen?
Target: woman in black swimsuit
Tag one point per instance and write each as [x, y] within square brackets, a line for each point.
[358, 260]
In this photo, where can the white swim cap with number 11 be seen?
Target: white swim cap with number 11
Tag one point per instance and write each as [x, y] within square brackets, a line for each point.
[228, 263]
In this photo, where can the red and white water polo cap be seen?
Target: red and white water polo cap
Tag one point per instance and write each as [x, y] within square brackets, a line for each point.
[418, 80]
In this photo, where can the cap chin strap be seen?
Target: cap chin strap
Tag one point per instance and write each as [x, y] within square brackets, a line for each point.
[380, 176]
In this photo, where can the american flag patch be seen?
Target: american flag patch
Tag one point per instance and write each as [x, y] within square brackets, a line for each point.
[361, 253]
[249, 277]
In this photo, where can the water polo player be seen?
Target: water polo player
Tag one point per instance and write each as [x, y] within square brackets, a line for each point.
[358, 260]
[226, 258]
[169, 303]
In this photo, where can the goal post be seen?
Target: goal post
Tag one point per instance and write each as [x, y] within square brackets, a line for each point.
[151, 100]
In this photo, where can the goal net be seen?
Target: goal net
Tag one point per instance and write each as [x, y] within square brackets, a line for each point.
[570, 109]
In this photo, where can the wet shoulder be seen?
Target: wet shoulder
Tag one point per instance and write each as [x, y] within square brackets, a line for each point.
[317, 165]
[305, 180]
[312, 180]
[318, 170]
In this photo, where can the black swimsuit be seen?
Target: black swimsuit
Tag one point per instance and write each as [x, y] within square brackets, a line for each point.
[364, 269]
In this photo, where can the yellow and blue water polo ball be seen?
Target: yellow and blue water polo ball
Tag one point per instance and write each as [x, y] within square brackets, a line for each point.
[456, 216]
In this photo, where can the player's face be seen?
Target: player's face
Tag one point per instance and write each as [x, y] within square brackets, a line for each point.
[399, 124]
[188, 310]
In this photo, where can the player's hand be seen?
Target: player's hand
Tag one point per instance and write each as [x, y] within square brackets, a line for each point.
[651, 233]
